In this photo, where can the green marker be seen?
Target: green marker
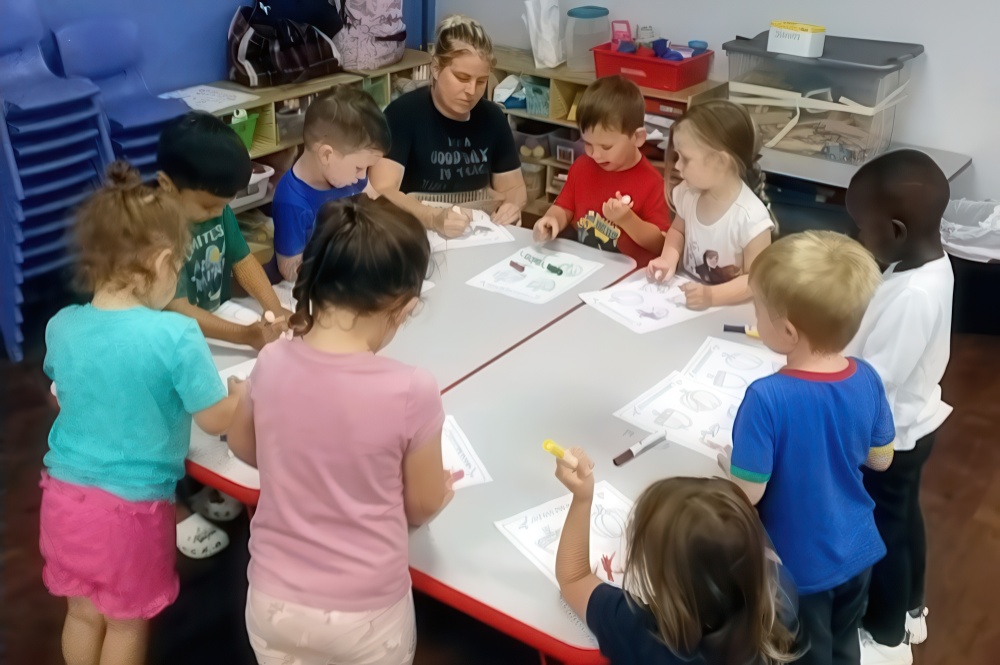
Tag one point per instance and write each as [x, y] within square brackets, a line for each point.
[553, 269]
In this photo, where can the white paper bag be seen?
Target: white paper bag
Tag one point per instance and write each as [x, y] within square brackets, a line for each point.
[541, 17]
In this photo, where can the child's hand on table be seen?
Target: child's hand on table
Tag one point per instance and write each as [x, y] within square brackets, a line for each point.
[237, 387]
[660, 269]
[546, 228]
[507, 213]
[452, 222]
[579, 477]
[617, 207]
[698, 296]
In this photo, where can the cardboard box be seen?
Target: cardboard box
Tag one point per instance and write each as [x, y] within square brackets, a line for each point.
[799, 39]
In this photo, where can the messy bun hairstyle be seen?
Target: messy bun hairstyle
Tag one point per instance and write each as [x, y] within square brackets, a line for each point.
[365, 256]
[121, 228]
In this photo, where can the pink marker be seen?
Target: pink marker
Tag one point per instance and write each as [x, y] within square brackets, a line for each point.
[457, 475]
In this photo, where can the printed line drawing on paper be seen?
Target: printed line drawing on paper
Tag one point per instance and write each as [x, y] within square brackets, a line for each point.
[535, 275]
[458, 454]
[536, 532]
[643, 306]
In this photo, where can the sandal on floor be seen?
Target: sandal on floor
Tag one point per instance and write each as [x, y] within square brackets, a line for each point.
[198, 538]
[216, 506]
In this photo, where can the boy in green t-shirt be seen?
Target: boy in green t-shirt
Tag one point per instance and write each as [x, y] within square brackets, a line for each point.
[204, 162]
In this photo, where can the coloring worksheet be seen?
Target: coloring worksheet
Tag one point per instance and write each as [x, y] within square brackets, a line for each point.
[691, 414]
[535, 275]
[731, 366]
[458, 453]
[643, 306]
[481, 231]
[536, 531]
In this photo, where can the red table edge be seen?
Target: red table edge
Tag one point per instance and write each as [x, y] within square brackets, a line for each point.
[490, 616]
[245, 495]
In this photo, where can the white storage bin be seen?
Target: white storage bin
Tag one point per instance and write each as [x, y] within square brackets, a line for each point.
[257, 189]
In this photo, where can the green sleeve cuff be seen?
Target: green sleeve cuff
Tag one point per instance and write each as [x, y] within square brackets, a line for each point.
[749, 476]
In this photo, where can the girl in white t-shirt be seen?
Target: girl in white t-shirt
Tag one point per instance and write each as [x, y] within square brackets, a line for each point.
[721, 223]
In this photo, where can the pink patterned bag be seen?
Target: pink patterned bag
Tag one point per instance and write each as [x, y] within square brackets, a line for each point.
[373, 35]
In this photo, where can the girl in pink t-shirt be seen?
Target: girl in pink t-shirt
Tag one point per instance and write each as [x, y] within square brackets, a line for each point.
[348, 444]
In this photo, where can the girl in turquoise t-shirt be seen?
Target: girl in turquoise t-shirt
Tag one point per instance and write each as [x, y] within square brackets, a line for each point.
[129, 376]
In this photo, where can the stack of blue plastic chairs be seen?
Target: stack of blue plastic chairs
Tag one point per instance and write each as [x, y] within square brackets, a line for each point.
[108, 52]
[58, 135]
[55, 149]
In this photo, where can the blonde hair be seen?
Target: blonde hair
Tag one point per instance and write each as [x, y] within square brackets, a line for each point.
[727, 127]
[121, 228]
[821, 282]
[698, 559]
[456, 34]
[612, 102]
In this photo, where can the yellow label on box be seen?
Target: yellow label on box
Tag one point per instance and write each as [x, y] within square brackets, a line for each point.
[797, 27]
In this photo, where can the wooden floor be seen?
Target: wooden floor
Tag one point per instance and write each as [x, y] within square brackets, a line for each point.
[961, 497]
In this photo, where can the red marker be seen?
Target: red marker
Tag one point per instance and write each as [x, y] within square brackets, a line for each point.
[517, 266]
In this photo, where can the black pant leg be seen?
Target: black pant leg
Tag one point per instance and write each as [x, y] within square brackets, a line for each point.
[917, 537]
[814, 638]
[849, 602]
[889, 592]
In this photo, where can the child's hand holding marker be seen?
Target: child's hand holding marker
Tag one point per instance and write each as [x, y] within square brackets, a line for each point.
[617, 207]
[660, 270]
[574, 469]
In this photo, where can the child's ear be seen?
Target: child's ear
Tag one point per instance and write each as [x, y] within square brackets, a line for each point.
[791, 332]
[899, 231]
[166, 184]
[324, 152]
[639, 138]
[408, 309]
[164, 260]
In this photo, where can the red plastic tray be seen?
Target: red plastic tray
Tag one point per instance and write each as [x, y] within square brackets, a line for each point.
[651, 72]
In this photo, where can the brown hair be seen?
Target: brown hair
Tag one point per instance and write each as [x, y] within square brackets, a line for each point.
[727, 127]
[120, 229]
[457, 33]
[365, 256]
[698, 558]
[821, 282]
[612, 102]
[349, 120]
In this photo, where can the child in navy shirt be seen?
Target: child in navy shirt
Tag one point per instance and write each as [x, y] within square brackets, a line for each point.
[703, 586]
[802, 435]
[344, 134]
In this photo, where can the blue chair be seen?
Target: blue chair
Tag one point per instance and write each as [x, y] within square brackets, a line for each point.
[26, 83]
[107, 51]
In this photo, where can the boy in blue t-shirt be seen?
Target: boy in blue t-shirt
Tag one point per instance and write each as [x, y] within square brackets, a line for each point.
[802, 435]
[344, 134]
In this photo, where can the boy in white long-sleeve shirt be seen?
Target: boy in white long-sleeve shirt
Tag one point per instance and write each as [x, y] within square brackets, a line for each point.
[897, 201]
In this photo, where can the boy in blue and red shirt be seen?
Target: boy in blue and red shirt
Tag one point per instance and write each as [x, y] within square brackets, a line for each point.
[613, 198]
[802, 435]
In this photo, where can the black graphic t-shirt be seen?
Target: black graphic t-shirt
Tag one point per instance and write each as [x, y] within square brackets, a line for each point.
[444, 155]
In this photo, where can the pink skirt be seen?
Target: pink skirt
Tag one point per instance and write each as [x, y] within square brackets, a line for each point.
[119, 554]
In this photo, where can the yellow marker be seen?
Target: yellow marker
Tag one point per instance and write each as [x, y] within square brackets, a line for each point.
[554, 448]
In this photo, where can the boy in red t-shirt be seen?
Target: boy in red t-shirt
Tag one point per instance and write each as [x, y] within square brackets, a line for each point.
[613, 198]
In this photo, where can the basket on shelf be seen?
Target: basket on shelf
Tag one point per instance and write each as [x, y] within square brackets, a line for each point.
[244, 125]
[536, 94]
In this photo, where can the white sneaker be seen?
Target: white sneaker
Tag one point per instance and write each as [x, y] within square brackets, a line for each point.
[873, 653]
[916, 627]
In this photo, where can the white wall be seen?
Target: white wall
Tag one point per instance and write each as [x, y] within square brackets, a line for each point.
[954, 94]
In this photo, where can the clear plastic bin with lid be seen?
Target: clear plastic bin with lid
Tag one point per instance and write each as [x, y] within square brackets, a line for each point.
[840, 106]
[586, 27]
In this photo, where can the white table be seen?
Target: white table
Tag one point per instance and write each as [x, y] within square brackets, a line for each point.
[459, 328]
[562, 384]
[455, 331]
